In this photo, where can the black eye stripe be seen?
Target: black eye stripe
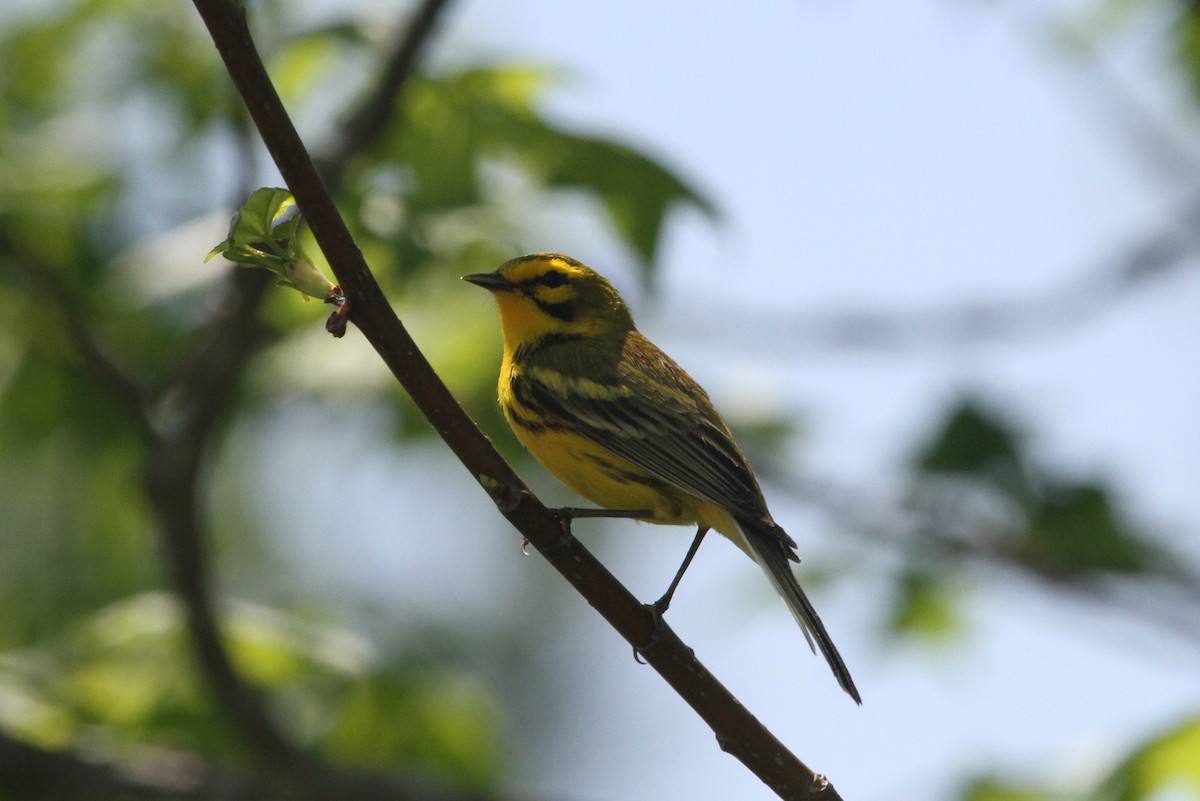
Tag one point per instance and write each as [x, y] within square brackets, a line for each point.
[552, 278]
[563, 311]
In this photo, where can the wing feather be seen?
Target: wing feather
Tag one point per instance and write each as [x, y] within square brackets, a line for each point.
[668, 429]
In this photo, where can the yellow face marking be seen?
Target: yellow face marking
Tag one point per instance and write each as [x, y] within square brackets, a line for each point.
[545, 298]
[521, 319]
[527, 268]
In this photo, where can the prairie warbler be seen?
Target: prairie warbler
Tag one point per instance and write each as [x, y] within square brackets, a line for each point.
[614, 418]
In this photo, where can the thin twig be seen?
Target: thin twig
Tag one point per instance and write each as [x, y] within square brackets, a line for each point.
[1073, 302]
[737, 730]
[364, 127]
[1097, 92]
[119, 380]
[1166, 596]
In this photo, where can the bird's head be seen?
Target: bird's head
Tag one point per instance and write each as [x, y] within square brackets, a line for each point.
[546, 293]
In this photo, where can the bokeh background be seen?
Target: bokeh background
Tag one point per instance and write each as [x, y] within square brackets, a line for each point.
[936, 262]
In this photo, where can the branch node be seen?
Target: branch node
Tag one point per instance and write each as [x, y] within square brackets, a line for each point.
[336, 324]
[656, 634]
[818, 784]
[509, 497]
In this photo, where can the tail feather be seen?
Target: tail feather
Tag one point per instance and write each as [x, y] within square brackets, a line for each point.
[767, 549]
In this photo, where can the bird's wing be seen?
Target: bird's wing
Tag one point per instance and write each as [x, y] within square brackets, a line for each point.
[655, 416]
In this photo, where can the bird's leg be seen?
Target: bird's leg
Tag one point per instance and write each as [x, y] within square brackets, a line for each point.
[662, 604]
[568, 513]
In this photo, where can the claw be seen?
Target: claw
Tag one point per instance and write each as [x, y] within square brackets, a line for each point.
[655, 635]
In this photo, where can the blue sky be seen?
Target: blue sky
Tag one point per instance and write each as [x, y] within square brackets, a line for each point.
[881, 157]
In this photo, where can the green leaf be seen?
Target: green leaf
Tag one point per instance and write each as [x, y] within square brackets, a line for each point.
[450, 727]
[253, 227]
[924, 606]
[262, 235]
[455, 125]
[636, 192]
[1076, 530]
[1188, 45]
[990, 789]
[971, 441]
[33, 64]
[1168, 764]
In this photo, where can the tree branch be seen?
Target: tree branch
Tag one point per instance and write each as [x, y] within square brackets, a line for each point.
[364, 127]
[120, 382]
[737, 731]
[184, 422]
[1077, 300]
[1167, 595]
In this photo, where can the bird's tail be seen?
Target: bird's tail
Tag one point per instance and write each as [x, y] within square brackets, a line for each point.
[768, 549]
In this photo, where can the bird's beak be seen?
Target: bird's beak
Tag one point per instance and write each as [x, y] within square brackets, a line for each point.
[492, 282]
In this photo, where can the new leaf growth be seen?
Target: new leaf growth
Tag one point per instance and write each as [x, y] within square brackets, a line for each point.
[264, 233]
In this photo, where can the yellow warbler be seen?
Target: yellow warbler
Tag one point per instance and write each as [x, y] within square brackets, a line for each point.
[614, 418]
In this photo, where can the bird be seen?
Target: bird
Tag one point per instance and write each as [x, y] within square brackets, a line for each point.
[609, 414]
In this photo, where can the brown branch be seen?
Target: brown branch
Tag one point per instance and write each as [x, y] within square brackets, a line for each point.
[737, 731]
[185, 421]
[175, 484]
[179, 428]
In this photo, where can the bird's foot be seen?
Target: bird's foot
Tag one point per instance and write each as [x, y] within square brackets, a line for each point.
[656, 610]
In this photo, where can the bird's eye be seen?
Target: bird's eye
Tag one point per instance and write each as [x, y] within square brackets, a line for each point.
[553, 278]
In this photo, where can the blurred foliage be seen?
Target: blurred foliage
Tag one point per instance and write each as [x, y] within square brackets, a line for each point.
[978, 490]
[1166, 764]
[976, 467]
[997, 790]
[122, 680]
[925, 605]
[1061, 526]
[104, 159]
[970, 443]
[435, 183]
[1163, 767]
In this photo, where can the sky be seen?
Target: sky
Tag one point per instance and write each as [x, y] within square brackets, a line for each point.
[865, 157]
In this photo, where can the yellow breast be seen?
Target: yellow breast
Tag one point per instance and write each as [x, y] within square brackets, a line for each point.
[600, 475]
